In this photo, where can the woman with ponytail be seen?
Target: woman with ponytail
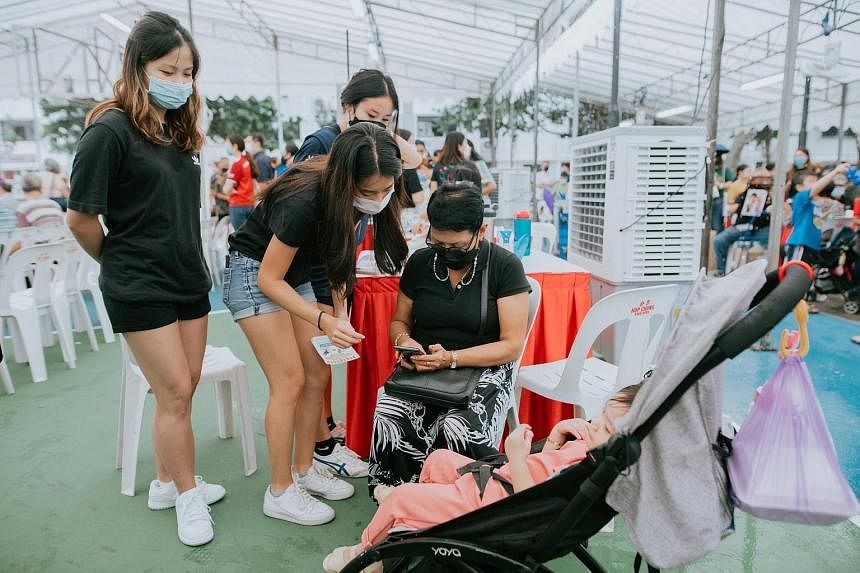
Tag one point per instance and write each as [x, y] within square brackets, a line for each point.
[239, 186]
[304, 220]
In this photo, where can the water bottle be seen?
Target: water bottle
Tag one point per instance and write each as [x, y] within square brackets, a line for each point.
[505, 238]
[522, 233]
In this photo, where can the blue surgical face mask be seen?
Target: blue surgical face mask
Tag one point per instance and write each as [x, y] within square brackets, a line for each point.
[799, 161]
[167, 94]
[371, 207]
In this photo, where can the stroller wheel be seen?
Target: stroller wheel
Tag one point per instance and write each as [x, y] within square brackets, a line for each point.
[851, 307]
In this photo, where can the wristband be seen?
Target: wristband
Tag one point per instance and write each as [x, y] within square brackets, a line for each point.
[319, 319]
[453, 360]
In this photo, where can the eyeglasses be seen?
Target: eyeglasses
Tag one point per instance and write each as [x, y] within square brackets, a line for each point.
[455, 250]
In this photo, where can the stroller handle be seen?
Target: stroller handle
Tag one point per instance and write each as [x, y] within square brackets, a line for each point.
[782, 291]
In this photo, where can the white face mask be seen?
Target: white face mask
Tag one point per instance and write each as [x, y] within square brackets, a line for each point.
[467, 153]
[371, 207]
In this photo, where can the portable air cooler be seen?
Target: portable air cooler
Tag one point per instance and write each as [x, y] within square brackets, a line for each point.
[635, 203]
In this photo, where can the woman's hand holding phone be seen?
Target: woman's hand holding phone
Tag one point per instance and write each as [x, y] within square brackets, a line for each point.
[405, 350]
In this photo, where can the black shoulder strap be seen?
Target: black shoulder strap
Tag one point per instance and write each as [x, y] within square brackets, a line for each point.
[485, 285]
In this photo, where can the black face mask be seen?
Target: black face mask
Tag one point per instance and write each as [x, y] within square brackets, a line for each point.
[355, 120]
[454, 258]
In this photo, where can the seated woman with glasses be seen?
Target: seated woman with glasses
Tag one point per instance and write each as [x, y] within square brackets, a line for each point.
[439, 313]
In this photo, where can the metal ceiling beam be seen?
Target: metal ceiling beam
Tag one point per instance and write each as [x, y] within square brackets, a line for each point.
[397, 6]
[553, 15]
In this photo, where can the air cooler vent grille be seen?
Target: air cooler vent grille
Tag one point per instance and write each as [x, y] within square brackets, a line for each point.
[587, 201]
[664, 241]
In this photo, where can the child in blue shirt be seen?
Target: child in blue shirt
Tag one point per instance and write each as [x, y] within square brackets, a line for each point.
[805, 239]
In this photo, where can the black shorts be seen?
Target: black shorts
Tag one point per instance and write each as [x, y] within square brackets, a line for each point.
[137, 316]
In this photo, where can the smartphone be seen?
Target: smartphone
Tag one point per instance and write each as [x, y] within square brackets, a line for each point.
[407, 351]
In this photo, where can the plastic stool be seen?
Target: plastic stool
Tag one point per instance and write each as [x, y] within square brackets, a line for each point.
[221, 367]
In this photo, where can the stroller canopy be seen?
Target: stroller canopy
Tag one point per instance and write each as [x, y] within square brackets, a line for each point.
[674, 500]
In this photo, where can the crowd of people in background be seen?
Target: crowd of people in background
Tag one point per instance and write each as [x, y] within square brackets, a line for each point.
[817, 199]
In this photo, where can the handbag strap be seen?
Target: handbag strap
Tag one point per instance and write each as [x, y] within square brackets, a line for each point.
[484, 290]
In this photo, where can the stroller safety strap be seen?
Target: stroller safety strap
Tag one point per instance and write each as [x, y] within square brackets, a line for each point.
[483, 472]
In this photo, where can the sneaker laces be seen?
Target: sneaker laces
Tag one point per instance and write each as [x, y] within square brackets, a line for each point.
[303, 497]
[344, 454]
[197, 509]
[323, 475]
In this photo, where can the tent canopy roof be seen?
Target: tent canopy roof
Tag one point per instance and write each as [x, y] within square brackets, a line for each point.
[447, 49]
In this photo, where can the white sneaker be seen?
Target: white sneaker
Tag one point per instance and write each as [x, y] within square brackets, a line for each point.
[163, 495]
[319, 481]
[193, 522]
[343, 461]
[296, 505]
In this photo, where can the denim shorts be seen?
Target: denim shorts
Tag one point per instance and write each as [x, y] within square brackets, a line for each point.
[242, 297]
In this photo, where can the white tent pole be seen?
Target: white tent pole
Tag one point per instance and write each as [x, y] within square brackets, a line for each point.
[719, 36]
[536, 118]
[35, 80]
[278, 95]
[783, 135]
[614, 112]
[574, 128]
[493, 141]
[841, 133]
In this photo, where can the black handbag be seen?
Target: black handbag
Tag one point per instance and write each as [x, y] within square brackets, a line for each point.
[447, 388]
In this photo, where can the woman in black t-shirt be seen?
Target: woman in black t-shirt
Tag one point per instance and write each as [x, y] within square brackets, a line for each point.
[454, 155]
[439, 312]
[138, 165]
[370, 96]
[307, 218]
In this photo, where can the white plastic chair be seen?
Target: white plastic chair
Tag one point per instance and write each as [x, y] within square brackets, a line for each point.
[220, 367]
[88, 281]
[36, 306]
[587, 382]
[4, 373]
[218, 248]
[534, 305]
[79, 314]
[544, 237]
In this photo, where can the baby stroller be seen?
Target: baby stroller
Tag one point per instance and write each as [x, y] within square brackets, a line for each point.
[834, 273]
[558, 516]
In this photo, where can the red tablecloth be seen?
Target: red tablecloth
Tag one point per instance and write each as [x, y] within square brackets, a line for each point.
[565, 301]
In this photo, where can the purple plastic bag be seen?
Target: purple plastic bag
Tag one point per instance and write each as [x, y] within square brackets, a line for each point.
[783, 465]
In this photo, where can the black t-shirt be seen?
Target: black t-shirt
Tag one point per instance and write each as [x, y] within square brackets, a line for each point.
[295, 217]
[317, 143]
[442, 173]
[412, 185]
[149, 195]
[452, 317]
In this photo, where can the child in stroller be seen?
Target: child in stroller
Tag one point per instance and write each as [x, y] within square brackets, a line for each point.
[443, 493]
